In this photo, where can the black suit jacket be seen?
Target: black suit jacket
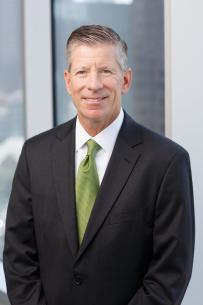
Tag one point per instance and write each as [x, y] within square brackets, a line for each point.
[138, 246]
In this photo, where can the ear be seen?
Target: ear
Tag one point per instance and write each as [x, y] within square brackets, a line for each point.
[67, 81]
[127, 80]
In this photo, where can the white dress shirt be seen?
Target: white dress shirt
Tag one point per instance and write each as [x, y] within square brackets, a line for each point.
[106, 139]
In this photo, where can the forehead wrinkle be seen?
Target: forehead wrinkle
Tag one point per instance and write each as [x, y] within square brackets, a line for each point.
[116, 56]
[96, 64]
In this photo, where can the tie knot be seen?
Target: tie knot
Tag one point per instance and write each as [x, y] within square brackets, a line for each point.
[92, 147]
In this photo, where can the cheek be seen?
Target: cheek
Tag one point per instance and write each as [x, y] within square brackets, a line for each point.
[111, 85]
[76, 86]
[75, 91]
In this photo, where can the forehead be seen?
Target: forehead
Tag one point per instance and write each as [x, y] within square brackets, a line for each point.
[99, 53]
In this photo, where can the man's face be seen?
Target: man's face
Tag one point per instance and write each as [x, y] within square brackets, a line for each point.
[96, 83]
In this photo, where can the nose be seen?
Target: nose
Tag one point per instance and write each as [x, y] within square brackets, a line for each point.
[94, 81]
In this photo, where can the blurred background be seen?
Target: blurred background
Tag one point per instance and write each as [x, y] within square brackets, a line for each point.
[165, 52]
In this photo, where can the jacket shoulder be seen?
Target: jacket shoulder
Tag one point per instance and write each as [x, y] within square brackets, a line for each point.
[153, 142]
[50, 135]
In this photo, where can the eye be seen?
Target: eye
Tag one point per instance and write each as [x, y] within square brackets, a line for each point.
[81, 72]
[106, 71]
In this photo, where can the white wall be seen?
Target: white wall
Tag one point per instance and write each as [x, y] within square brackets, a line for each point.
[186, 43]
[38, 66]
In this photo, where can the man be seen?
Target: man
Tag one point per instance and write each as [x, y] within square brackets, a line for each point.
[101, 210]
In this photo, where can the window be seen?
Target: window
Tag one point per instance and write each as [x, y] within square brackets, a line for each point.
[11, 100]
[141, 24]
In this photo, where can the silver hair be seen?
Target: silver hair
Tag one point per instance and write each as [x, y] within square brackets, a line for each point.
[92, 35]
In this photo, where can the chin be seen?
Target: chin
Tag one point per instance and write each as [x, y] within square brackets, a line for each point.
[95, 114]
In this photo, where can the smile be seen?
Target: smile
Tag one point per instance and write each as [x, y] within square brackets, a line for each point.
[94, 100]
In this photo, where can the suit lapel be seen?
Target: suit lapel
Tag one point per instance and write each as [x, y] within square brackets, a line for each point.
[64, 177]
[122, 162]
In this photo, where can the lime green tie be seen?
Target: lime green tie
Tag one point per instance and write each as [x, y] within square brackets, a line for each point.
[87, 185]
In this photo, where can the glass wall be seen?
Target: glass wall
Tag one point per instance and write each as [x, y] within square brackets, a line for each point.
[141, 24]
[11, 100]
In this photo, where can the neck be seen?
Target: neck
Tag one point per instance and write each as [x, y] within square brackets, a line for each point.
[93, 127]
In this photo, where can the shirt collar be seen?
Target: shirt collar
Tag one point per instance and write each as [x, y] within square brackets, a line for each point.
[106, 138]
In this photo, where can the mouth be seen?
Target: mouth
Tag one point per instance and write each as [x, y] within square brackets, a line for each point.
[94, 100]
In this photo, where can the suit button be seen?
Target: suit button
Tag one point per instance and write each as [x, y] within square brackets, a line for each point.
[77, 280]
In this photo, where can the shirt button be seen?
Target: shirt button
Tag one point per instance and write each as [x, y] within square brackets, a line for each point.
[77, 280]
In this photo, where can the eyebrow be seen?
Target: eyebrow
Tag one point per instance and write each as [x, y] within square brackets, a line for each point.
[107, 67]
[81, 67]
[87, 68]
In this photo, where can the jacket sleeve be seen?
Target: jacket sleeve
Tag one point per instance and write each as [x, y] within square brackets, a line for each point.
[169, 272]
[20, 257]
